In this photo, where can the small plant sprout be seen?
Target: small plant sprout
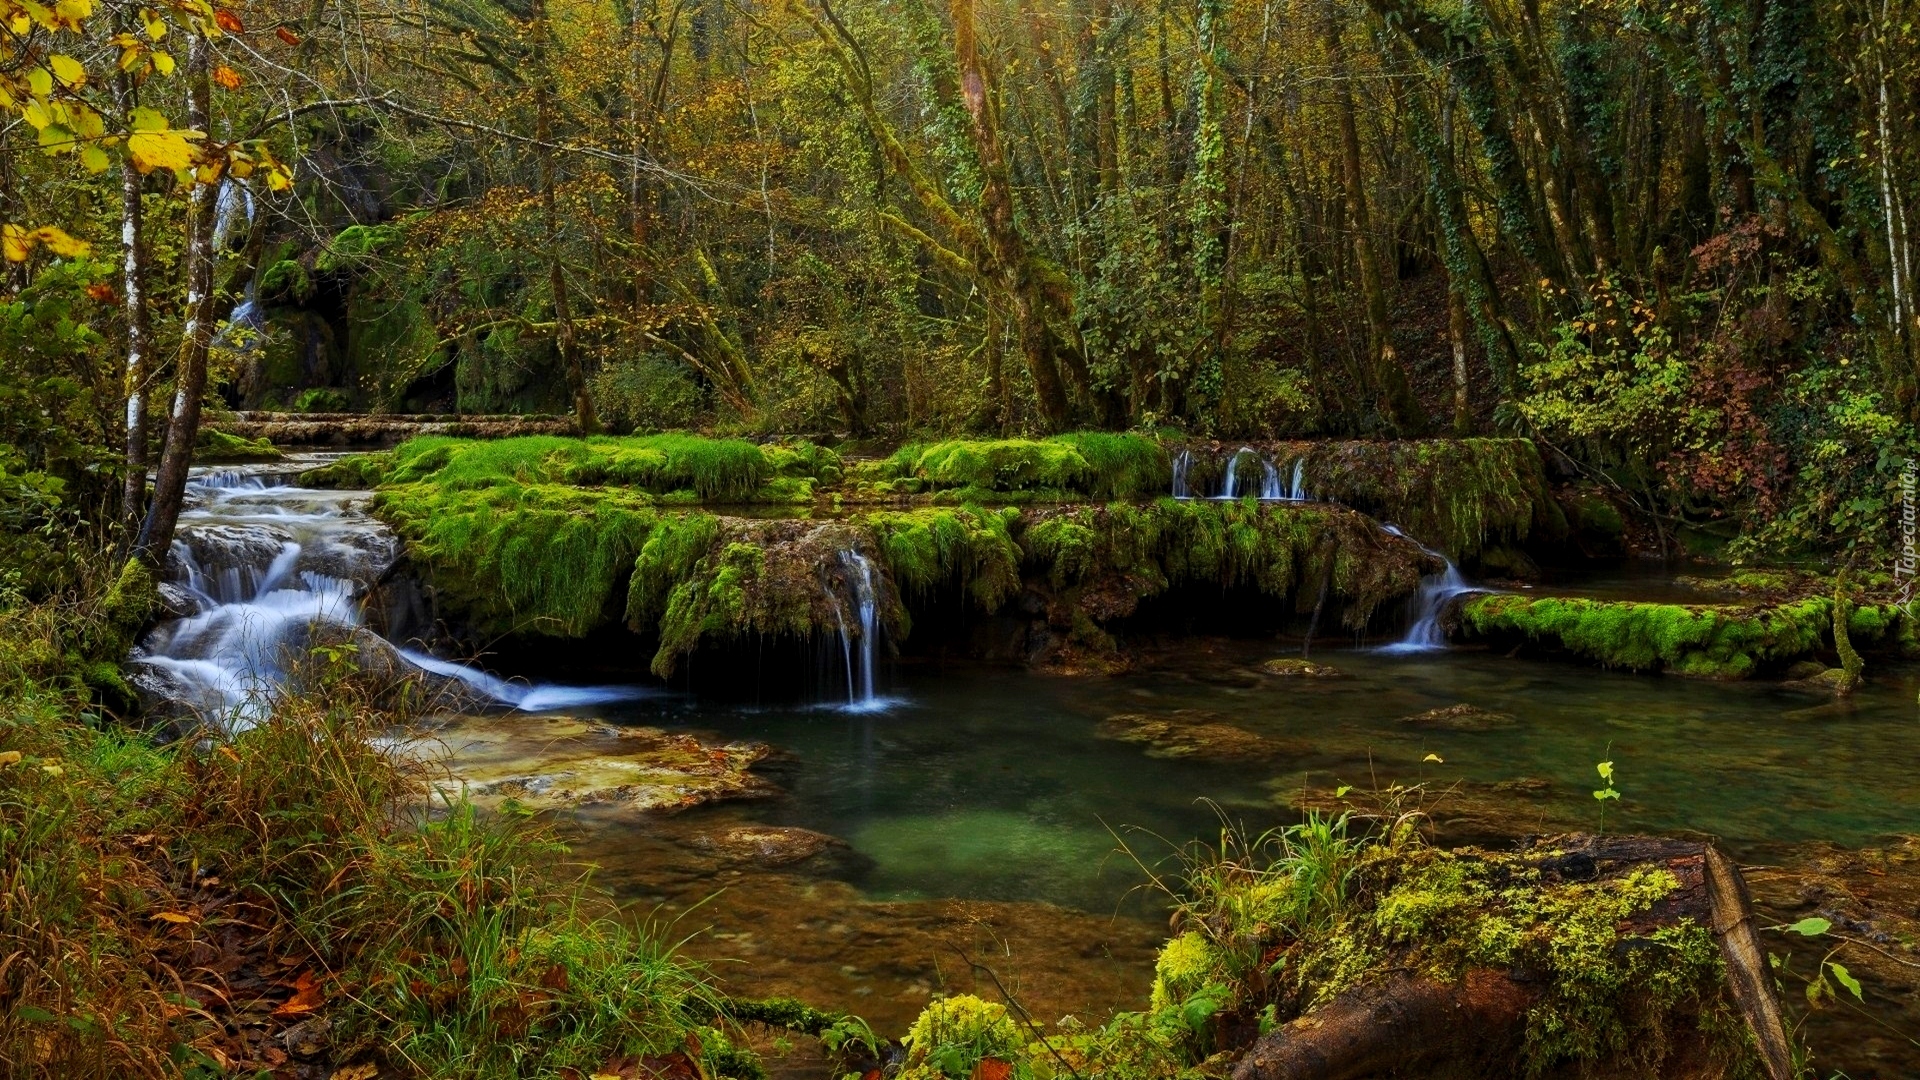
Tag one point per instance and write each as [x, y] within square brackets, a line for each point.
[1609, 792]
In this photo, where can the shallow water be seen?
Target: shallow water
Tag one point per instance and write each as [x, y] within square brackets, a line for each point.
[995, 784]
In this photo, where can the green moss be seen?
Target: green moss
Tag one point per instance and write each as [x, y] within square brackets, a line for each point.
[355, 471]
[1459, 495]
[1712, 641]
[966, 548]
[216, 447]
[710, 470]
[539, 558]
[1100, 466]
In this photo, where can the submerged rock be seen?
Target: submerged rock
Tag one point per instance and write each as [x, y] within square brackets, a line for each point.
[1295, 667]
[562, 763]
[1462, 717]
[767, 845]
[1192, 733]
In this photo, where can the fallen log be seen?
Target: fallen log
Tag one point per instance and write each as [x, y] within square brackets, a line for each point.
[1432, 1006]
[369, 429]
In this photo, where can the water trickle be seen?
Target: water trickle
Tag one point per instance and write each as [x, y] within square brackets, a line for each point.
[256, 568]
[1182, 461]
[1436, 592]
[1231, 487]
[1270, 490]
[860, 651]
[1298, 492]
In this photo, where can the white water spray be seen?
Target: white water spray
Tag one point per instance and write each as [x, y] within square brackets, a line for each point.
[1436, 592]
[860, 653]
[1182, 461]
[256, 567]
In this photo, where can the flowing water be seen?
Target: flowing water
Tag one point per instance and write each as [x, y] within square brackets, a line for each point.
[1427, 631]
[258, 568]
[1003, 790]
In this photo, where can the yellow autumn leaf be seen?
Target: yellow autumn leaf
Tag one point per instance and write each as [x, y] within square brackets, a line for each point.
[40, 82]
[162, 63]
[155, 26]
[1435, 758]
[69, 71]
[159, 150]
[60, 243]
[173, 917]
[54, 771]
[279, 177]
[9, 757]
[145, 119]
[72, 12]
[15, 242]
[38, 115]
[94, 159]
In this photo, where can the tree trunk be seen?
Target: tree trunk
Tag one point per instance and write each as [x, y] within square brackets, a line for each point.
[196, 338]
[139, 328]
[563, 330]
[1457, 338]
[1012, 263]
[1393, 396]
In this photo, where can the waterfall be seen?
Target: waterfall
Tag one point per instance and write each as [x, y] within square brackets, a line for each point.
[861, 651]
[1436, 592]
[234, 200]
[1230, 489]
[1270, 490]
[1298, 492]
[1181, 462]
[258, 566]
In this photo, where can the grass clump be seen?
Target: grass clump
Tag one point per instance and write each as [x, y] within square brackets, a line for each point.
[966, 547]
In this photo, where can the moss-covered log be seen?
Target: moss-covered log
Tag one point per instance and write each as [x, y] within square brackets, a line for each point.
[1583, 956]
[1720, 641]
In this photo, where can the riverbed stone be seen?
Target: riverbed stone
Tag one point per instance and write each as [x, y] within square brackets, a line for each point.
[1195, 733]
[1461, 717]
[565, 763]
[1296, 667]
[767, 845]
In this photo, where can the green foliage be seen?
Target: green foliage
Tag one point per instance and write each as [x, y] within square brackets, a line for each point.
[969, 548]
[954, 1034]
[711, 470]
[647, 392]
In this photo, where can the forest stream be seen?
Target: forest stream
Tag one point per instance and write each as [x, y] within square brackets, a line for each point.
[932, 823]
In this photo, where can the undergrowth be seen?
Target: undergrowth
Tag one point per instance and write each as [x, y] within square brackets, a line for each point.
[188, 909]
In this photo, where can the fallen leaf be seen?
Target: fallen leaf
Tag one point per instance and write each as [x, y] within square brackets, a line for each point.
[286, 35]
[229, 22]
[174, 917]
[364, 1071]
[306, 997]
[992, 1069]
[9, 757]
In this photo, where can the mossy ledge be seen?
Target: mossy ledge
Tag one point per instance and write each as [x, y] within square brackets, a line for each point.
[1462, 496]
[1715, 641]
[551, 559]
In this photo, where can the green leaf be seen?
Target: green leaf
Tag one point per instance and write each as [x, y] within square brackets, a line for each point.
[34, 1015]
[1810, 927]
[145, 119]
[1846, 979]
[1606, 793]
[1605, 769]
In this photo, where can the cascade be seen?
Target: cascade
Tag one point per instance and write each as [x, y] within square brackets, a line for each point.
[1298, 492]
[1182, 461]
[1270, 489]
[861, 652]
[257, 566]
[1436, 592]
[1230, 489]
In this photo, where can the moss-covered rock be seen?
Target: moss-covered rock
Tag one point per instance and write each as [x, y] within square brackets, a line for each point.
[1459, 495]
[1720, 641]
[1081, 465]
[216, 447]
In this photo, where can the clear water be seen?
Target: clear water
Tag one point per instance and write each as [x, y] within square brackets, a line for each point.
[995, 784]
